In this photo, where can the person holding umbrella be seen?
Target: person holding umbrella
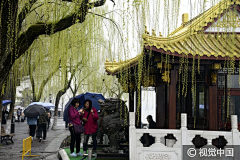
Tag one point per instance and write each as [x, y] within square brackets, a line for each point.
[32, 122]
[74, 119]
[42, 126]
[32, 111]
[90, 117]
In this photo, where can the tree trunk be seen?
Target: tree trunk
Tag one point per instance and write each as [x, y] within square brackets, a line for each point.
[9, 118]
[59, 95]
[54, 126]
[8, 126]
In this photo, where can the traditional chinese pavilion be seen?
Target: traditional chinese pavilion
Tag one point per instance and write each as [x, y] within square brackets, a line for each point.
[194, 70]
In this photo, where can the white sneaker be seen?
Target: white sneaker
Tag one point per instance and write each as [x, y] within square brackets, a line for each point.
[79, 154]
[73, 154]
[84, 152]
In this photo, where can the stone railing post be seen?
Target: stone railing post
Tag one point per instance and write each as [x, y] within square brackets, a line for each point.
[184, 128]
[132, 137]
[234, 125]
[183, 131]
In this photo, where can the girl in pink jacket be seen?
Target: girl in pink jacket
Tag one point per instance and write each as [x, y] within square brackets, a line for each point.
[90, 117]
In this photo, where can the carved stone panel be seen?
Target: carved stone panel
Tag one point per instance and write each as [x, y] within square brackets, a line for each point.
[160, 156]
[138, 136]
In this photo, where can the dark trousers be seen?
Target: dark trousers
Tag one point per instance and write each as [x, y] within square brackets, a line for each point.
[42, 128]
[85, 142]
[74, 138]
[66, 124]
[19, 118]
[32, 129]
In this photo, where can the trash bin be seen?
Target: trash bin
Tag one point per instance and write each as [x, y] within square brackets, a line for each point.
[12, 127]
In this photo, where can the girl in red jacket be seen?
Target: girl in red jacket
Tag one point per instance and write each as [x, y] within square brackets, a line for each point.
[90, 117]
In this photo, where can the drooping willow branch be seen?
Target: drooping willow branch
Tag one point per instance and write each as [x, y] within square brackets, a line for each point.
[25, 40]
[24, 12]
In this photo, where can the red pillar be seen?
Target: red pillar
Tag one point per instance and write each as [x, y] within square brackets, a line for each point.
[160, 109]
[172, 100]
[213, 124]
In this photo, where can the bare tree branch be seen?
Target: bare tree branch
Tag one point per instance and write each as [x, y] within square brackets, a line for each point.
[26, 39]
[94, 4]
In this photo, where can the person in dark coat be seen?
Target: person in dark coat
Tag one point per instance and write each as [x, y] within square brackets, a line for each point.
[49, 118]
[42, 126]
[4, 113]
[152, 124]
[146, 139]
[19, 114]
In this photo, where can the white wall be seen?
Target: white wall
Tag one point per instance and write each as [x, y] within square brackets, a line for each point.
[148, 104]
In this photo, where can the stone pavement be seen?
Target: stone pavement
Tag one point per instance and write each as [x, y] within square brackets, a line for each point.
[54, 140]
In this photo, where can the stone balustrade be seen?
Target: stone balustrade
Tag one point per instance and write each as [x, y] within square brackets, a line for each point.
[171, 149]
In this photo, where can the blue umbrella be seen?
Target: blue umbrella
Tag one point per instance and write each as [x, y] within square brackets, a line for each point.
[94, 97]
[45, 105]
[6, 102]
[48, 105]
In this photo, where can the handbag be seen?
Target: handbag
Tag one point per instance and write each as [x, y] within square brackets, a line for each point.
[79, 129]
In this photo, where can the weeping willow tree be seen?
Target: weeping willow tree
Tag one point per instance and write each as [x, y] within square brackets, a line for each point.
[62, 33]
[24, 21]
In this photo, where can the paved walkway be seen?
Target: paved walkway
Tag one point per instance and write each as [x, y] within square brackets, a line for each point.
[54, 139]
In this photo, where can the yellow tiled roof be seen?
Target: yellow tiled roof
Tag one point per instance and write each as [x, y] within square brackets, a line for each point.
[201, 44]
[199, 22]
[112, 67]
[190, 39]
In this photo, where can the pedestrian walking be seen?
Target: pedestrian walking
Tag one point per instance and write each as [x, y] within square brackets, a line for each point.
[90, 117]
[32, 123]
[74, 119]
[49, 118]
[42, 126]
[19, 114]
